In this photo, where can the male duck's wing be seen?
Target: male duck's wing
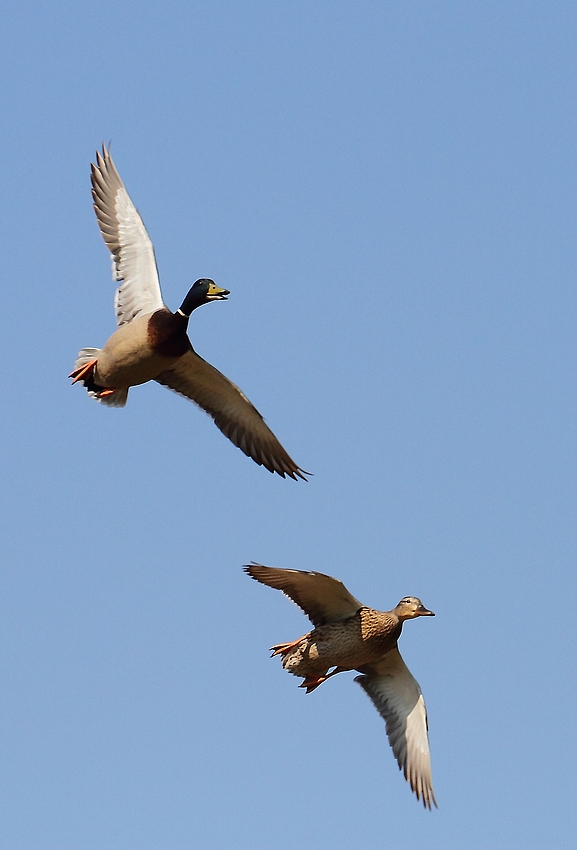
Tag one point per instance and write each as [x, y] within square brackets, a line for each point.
[397, 697]
[323, 599]
[237, 418]
[125, 235]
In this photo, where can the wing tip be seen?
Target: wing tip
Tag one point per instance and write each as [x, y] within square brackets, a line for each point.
[297, 473]
[249, 569]
[287, 471]
[427, 797]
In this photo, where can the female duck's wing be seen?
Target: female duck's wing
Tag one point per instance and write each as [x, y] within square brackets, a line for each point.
[231, 410]
[397, 697]
[323, 599]
[125, 235]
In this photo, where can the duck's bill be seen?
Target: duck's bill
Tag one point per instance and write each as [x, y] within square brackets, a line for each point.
[424, 612]
[216, 293]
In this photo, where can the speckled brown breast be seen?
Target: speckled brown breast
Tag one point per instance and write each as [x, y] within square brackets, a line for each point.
[351, 643]
[380, 631]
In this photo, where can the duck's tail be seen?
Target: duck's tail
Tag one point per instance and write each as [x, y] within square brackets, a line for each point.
[84, 371]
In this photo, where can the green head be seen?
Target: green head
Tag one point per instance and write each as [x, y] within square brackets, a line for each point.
[201, 292]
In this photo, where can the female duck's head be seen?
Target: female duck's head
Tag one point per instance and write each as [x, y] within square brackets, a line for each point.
[410, 607]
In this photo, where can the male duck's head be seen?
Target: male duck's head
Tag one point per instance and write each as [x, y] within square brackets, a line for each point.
[410, 607]
[201, 292]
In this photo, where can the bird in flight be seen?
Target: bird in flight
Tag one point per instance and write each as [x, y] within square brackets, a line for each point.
[349, 636]
[151, 342]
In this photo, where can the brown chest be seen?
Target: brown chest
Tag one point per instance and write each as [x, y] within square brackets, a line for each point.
[380, 631]
[359, 640]
[167, 334]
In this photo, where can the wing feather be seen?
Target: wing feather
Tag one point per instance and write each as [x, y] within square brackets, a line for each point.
[397, 697]
[125, 235]
[323, 599]
[231, 410]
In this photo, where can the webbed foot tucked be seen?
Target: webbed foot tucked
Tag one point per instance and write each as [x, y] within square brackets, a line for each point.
[312, 682]
[283, 648]
[85, 371]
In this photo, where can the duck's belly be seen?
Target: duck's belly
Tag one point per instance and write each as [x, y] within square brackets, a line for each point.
[335, 645]
[127, 359]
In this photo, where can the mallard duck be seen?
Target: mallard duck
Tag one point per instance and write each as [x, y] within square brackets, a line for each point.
[349, 636]
[151, 342]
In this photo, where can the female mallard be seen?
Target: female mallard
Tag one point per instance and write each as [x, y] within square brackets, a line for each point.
[350, 636]
[151, 342]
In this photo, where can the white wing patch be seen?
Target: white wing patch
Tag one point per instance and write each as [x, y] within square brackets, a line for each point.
[125, 235]
[396, 695]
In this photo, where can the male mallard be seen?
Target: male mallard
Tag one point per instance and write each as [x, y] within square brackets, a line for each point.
[350, 636]
[151, 342]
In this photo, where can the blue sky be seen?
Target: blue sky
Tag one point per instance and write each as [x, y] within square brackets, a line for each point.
[388, 190]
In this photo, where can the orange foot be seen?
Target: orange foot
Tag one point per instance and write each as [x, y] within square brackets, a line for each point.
[283, 648]
[312, 682]
[106, 392]
[84, 371]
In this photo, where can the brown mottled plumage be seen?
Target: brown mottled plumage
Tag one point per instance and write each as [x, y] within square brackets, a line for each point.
[350, 636]
[348, 644]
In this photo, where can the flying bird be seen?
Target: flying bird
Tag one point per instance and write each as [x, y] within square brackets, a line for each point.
[152, 343]
[349, 636]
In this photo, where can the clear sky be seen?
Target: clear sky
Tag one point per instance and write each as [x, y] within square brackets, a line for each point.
[388, 189]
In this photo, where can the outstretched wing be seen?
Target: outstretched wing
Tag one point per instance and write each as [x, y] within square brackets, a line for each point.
[125, 235]
[231, 410]
[323, 599]
[397, 697]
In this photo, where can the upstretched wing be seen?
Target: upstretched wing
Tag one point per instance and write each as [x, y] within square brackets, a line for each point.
[323, 599]
[125, 235]
[397, 697]
[231, 410]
